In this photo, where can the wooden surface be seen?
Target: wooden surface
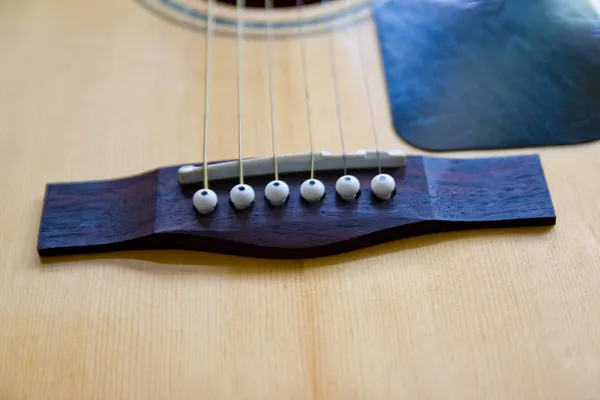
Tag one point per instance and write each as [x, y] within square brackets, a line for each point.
[94, 90]
[152, 211]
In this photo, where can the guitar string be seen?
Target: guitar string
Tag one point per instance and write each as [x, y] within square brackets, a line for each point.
[240, 4]
[336, 91]
[369, 97]
[269, 6]
[307, 95]
[208, 74]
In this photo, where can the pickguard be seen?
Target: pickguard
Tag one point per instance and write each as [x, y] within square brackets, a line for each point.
[491, 74]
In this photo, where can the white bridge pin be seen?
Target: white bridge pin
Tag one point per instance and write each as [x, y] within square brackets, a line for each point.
[347, 187]
[205, 201]
[277, 192]
[241, 196]
[382, 186]
[312, 190]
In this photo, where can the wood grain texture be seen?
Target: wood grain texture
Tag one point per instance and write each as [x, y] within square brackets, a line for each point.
[104, 89]
[153, 211]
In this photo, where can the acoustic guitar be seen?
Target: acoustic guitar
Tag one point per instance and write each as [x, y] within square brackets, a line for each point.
[299, 200]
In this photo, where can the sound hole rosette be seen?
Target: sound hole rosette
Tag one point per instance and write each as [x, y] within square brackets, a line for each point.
[193, 14]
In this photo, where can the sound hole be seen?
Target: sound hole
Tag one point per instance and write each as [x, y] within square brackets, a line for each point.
[274, 3]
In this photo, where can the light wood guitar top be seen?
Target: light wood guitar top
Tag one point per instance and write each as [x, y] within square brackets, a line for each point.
[103, 89]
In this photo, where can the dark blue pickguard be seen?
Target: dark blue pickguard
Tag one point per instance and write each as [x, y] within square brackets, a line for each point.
[492, 74]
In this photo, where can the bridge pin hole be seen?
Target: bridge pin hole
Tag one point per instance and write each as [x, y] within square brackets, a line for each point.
[341, 201]
[278, 205]
[313, 203]
[241, 210]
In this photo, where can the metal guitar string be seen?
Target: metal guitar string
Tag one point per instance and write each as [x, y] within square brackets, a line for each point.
[307, 97]
[269, 6]
[336, 91]
[208, 74]
[240, 38]
[369, 98]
